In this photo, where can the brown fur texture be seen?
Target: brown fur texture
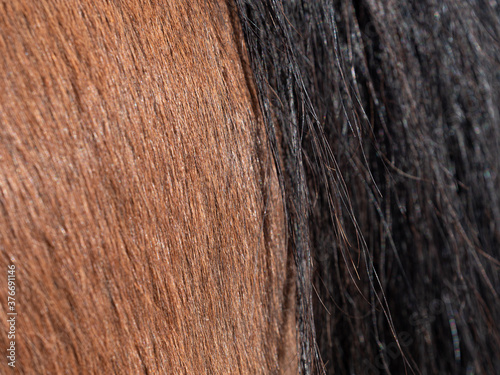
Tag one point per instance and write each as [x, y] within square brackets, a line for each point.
[136, 193]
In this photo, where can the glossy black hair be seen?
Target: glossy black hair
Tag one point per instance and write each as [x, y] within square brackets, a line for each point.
[384, 122]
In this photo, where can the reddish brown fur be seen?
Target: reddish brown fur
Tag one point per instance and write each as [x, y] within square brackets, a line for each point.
[136, 193]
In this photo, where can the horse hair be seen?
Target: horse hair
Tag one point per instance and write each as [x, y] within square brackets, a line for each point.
[384, 124]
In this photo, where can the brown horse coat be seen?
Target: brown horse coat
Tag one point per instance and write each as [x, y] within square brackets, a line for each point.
[138, 198]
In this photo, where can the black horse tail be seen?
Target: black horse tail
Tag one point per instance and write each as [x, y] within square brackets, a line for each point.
[384, 122]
